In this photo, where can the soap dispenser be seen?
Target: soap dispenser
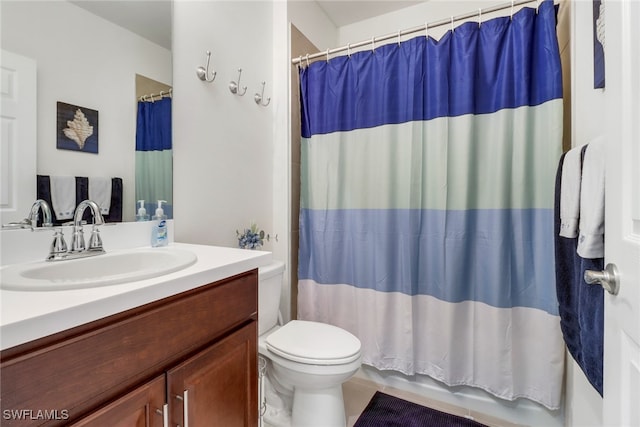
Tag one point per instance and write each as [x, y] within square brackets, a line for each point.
[142, 212]
[159, 234]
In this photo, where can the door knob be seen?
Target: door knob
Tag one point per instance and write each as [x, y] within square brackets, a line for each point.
[607, 278]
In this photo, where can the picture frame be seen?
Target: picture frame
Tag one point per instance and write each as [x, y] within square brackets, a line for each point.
[598, 44]
[77, 128]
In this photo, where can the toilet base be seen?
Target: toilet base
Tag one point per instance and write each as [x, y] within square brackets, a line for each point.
[306, 408]
[318, 408]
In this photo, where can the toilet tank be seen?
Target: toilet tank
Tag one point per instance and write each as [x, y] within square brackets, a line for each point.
[269, 290]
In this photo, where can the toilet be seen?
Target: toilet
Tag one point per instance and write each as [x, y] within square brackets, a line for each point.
[306, 362]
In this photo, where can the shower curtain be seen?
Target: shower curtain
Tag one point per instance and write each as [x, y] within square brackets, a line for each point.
[154, 155]
[426, 221]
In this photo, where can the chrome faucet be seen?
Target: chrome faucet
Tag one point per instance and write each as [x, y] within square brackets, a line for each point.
[46, 213]
[58, 250]
[31, 221]
[77, 244]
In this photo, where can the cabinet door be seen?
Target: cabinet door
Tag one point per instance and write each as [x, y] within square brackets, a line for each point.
[219, 385]
[142, 407]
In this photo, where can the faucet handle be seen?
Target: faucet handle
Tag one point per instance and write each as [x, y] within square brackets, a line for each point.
[77, 243]
[95, 241]
[25, 223]
[59, 245]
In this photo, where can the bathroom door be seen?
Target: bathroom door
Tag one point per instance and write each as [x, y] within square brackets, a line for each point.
[622, 213]
[17, 136]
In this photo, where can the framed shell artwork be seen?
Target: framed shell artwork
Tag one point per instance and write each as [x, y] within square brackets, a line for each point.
[77, 128]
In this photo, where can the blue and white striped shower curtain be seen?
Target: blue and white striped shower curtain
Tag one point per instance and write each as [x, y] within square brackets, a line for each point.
[154, 155]
[426, 221]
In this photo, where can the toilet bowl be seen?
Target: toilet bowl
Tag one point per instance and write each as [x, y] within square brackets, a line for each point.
[307, 362]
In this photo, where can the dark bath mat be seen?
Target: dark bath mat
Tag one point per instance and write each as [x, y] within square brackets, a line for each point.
[386, 411]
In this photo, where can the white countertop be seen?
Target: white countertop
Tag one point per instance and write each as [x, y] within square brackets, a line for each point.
[28, 315]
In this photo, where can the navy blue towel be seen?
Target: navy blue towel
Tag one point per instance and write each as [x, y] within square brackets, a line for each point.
[581, 305]
[43, 191]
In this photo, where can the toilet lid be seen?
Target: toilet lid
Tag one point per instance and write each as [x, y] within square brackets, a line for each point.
[314, 343]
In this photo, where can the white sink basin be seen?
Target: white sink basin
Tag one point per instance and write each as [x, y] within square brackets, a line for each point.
[109, 269]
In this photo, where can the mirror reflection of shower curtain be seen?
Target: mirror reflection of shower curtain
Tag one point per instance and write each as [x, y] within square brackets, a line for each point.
[154, 155]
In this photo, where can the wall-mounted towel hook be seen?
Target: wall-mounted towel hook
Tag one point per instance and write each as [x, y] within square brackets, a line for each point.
[233, 86]
[203, 73]
[258, 97]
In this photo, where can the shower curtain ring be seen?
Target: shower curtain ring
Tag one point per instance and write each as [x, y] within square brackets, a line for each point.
[327, 55]
[399, 37]
[452, 30]
[307, 58]
[373, 44]
[426, 30]
[512, 5]
[479, 17]
[349, 50]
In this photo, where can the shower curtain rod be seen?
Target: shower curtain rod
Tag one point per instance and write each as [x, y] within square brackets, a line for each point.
[162, 94]
[426, 27]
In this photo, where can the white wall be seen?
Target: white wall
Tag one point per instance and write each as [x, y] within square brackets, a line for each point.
[87, 61]
[223, 143]
[583, 406]
[309, 18]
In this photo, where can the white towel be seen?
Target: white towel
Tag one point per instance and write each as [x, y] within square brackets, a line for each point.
[570, 194]
[100, 192]
[591, 240]
[63, 196]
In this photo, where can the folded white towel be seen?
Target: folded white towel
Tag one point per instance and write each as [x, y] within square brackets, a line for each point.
[591, 240]
[100, 192]
[570, 194]
[63, 196]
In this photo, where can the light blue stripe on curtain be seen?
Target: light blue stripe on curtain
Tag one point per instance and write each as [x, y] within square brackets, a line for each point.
[154, 155]
[434, 252]
[427, 187]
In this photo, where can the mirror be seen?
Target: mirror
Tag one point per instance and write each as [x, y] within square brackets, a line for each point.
[90, 61]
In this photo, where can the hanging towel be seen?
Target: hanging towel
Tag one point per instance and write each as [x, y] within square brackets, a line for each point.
[570, 193]
[100, 192]
[581, 306]
[591, 240]
[63, 196]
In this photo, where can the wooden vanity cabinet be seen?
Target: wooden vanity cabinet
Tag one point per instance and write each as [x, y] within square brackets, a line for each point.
[195, 352]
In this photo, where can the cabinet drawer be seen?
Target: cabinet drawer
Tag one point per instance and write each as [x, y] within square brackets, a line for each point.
[95, 363]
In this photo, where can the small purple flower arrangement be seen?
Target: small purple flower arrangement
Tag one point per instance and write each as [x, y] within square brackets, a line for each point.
[252, 238]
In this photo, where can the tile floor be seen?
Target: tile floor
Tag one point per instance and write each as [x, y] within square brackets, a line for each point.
[358, 392]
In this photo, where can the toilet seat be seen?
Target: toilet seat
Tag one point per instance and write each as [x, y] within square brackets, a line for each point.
[314, 343]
